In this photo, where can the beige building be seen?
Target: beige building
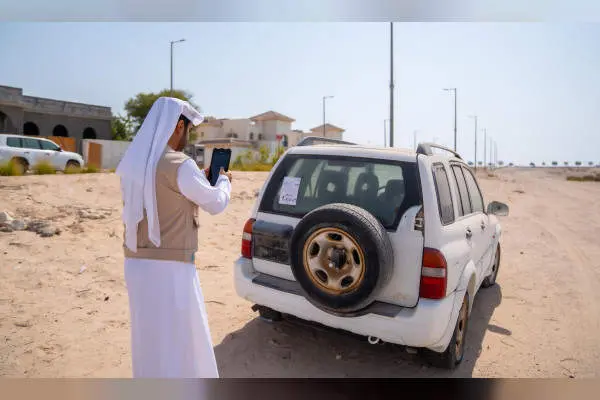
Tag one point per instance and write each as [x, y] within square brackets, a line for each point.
[330, 131]
[269, 128]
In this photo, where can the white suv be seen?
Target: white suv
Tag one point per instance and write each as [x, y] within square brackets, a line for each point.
[27, 151]
[386, 243]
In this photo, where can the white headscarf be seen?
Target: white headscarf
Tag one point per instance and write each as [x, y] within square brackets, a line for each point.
[137, 169]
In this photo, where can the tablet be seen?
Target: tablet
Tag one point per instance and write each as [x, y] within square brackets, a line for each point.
[220, 159]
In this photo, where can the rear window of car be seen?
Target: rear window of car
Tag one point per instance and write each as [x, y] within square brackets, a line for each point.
[302, 183]
[13, 142]
[442, 187]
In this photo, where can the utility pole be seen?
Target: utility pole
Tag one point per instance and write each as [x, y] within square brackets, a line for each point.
[475, 118]
[325, 98]
[453, 90]
[391, 84]
[385, 133]
[172, 43]
[415, 139]
[485, 149]
[491, 147]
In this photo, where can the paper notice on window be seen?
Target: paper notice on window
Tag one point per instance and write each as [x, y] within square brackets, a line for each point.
[288, 195]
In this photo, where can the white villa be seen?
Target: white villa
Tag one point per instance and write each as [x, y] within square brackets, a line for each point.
[269, 128]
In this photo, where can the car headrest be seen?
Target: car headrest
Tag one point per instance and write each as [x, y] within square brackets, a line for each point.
[394, 189]
[366, 185]
[332, 183]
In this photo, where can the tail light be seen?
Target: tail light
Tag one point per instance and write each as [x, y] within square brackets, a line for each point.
[247, 239]
[433, 275]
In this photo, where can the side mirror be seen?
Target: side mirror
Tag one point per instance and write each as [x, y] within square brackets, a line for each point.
[497, 208]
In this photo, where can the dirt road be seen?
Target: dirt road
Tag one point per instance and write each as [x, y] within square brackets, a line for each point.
[64, 311]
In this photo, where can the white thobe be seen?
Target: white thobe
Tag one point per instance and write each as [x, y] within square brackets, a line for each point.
[170, 337]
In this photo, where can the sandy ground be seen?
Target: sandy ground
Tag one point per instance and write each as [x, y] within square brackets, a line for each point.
[64, 309]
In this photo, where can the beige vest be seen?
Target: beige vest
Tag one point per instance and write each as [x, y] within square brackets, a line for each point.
[177, 217]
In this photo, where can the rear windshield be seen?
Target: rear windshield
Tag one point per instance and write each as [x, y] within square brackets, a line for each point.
[302, 183]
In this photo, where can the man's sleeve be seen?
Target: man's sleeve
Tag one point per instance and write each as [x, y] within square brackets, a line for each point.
[194, 185]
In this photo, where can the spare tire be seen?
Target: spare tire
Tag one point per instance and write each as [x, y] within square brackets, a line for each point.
[341, 256]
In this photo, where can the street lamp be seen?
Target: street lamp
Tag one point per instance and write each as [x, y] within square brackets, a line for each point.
[415, 138]
[485, 149]
[385, 121]
[172, 43]
[475, 118]
[325, 98]
[453, 90]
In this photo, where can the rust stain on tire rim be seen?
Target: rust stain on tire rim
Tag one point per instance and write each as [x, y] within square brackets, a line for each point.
[334, 261]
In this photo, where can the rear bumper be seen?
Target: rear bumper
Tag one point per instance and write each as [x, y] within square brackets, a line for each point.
[430, 324]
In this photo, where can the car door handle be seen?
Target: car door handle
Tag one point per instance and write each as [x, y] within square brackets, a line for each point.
[469, 233]
[482, 225]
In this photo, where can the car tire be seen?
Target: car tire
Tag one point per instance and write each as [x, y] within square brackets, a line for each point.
[267, 314]
[455, 352]
[491, 279]
[341, 256]
[72, 164]
[22, 165]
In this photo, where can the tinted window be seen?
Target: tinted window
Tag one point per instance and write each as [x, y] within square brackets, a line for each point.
[474, 193]
[13, 142]
[46, 145]
[385, 189]
[442, 187]
[463, 192]
[29, 143]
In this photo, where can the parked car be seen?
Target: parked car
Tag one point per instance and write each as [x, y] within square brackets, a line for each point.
[389, 244]
[26, 151]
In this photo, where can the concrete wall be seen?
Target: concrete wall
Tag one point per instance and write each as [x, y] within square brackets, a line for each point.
[210, 132]
[12, 118]
[242, 127]
[112, 151]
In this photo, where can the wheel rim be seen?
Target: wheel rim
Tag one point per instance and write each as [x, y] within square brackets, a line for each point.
[334, 261]
[461, 326]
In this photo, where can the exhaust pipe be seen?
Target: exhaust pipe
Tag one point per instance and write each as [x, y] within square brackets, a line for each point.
[374, 340]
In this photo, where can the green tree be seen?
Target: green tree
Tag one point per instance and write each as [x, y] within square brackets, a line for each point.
[500, 163]
[121, 128]
[554, 163]
[138, 107]
[578, 163]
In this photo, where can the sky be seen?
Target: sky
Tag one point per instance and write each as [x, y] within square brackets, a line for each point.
[534, 87]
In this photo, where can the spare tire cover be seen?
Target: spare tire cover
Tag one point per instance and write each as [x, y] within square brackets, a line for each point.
[341, 256]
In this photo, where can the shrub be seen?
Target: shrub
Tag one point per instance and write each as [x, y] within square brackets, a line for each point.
[263, 154]
[70, 170]
[278, 153]
[43, 168]
[90, 169]
[585, 178]
[9, 169]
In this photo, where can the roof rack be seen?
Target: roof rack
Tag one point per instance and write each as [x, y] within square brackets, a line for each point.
[312, 140]
[426, 149]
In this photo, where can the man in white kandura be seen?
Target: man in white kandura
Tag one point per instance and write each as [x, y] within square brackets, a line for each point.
[162, 190]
